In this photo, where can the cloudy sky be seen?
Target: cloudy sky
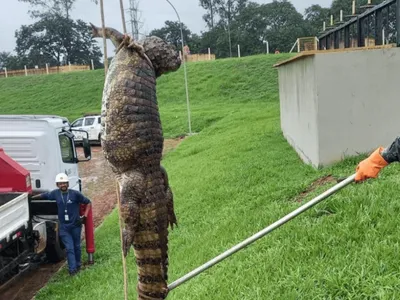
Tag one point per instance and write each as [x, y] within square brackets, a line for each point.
[153, 15]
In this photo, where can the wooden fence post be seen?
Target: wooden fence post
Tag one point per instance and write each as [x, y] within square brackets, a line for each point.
[5, 69]
[26, 71]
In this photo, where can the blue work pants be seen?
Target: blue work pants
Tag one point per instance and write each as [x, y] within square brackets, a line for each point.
[71, 238]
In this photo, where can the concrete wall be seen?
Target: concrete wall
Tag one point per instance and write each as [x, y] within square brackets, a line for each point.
[298, 107]
[352, 105]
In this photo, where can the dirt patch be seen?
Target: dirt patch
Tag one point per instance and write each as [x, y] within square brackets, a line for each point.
[99, 185]
[171, 144]
[314, 185]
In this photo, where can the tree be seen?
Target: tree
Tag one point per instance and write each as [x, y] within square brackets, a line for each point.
[50, 7]
[195, 44]
[316, 15]
[4, 56]
[228, 11]
[11, 62]
[277, 22]
[211, 6]
[85, 46]
[57, 40]
[171, 33]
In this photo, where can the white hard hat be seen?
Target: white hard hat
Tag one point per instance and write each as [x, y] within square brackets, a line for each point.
[62, 177]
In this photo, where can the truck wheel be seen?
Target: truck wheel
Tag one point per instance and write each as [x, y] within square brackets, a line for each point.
[99, 141]
[55, 250]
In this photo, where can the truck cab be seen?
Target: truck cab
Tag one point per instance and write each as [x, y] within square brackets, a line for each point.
[44, 146]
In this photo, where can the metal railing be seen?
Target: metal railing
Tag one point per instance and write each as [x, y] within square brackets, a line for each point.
[378, 25]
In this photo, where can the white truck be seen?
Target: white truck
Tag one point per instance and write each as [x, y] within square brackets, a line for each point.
[44, 146]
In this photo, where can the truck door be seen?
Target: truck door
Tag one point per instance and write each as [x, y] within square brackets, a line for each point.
[68, 159]
[89, 126]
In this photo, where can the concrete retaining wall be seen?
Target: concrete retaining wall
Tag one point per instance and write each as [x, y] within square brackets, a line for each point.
[341, 103]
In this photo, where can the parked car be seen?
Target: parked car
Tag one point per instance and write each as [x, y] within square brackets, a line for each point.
[89, 123]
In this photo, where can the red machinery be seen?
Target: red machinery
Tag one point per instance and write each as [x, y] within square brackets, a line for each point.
[13, 177]
[89, 233]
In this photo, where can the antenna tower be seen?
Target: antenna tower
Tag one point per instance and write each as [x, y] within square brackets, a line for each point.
[136, 24]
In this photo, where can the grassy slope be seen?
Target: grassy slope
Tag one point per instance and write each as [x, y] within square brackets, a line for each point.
[237, 176]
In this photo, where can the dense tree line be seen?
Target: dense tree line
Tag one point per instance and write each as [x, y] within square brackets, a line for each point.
[54, 38]
[243, 22]
[57, 39]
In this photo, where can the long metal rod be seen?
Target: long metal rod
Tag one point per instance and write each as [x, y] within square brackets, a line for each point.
[261, 233]
[184, 69]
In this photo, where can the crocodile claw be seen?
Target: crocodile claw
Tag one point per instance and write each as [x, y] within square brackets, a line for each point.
[127, 241]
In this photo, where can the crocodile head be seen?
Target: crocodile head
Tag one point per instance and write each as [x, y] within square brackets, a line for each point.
[164, 57]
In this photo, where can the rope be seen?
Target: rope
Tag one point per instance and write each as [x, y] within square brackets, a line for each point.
[122, 244]
[131, 44]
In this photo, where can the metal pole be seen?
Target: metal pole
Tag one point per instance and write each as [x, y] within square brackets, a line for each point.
[294, 46]
[383, 36]
[121, 4]
[104, 37]
[184, 68]
[261, 233]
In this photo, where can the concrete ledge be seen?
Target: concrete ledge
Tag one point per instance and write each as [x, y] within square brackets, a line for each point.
[341, 50]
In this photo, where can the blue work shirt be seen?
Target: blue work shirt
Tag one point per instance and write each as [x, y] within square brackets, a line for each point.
[68, 203]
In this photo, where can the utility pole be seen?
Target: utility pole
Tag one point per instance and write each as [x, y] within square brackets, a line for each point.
[104, 37]
[134, 18]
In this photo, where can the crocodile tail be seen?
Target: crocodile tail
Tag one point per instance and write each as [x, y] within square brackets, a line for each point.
[151, 240]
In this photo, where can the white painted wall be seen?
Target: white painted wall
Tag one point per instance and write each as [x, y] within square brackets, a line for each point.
[352, 105]
[298, 107]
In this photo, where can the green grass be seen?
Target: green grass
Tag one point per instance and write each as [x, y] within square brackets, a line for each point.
[235, 177]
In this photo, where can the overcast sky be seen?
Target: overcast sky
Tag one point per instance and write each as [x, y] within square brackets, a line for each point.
[153, 15]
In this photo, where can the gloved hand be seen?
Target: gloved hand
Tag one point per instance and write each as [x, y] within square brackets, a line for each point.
[81, 220]
[371, 166]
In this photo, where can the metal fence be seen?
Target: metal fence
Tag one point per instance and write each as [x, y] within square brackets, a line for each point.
[378, 25]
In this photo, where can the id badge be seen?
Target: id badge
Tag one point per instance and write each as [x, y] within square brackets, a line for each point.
[66, 217]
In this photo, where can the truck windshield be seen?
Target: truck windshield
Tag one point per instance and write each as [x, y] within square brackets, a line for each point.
[67, 153]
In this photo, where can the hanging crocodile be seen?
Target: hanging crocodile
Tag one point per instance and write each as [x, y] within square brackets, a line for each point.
[132, 143]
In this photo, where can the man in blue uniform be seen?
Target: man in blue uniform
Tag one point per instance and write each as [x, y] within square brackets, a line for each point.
[68, 204]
